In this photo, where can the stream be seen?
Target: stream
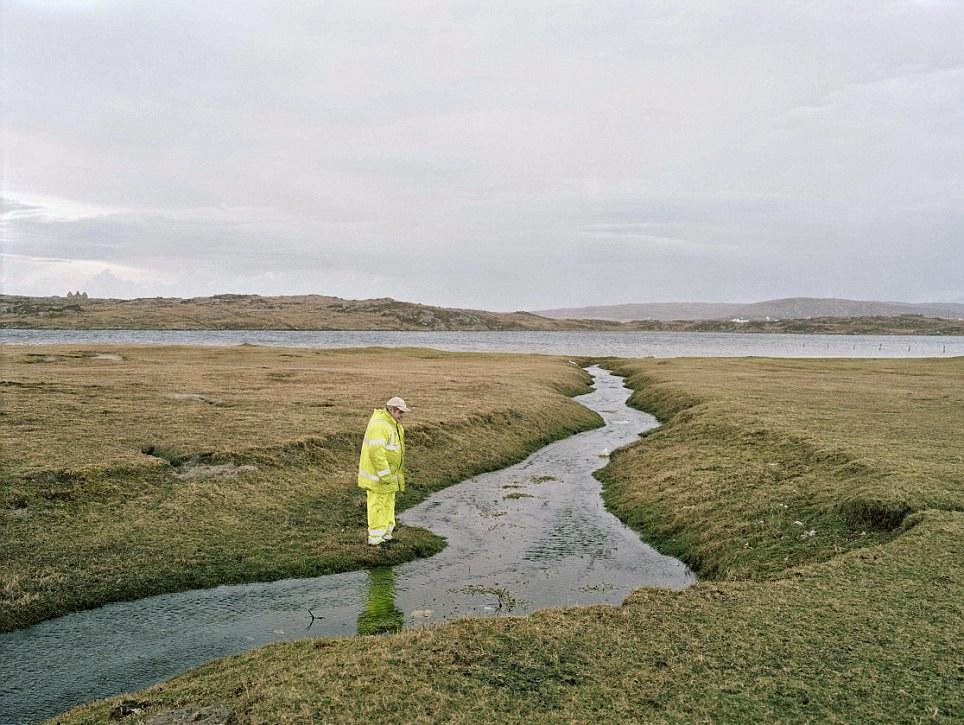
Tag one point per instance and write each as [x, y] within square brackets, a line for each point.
[523, 538]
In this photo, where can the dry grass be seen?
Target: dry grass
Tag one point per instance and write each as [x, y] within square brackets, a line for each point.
[130, 471]
[762, 452]
[66, 409]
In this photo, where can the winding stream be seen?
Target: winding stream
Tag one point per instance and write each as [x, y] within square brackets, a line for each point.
[527, 537]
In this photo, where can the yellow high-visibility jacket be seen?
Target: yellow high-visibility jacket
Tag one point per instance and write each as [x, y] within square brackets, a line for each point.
[381, 467]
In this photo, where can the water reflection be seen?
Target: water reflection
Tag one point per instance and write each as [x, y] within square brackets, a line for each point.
[380, 614]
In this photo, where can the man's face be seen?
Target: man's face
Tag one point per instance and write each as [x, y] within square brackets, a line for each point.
[396, 413]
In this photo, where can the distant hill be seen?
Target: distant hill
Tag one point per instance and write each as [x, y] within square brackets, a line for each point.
[794, 308]
[254, 312]
[316, 312]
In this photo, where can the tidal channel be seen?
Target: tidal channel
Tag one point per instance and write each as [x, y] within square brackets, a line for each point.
[523, 538]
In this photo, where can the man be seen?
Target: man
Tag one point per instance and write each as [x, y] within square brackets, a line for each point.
[381, 469]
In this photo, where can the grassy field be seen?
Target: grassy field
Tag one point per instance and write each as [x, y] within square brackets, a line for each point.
[129, 471]
[820, 501]
[761, 452]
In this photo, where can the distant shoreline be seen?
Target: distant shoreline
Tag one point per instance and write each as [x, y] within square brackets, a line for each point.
[314, 313]
[579, 343]
[924, 327]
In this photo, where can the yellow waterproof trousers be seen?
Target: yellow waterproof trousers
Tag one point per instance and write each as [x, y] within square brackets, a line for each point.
[381, 517]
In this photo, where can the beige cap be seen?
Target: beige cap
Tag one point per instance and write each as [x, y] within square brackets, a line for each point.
[397, 402]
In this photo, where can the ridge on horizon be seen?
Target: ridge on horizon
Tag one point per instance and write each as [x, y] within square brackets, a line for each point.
[774, 309]
[782, 308]
[318, 312]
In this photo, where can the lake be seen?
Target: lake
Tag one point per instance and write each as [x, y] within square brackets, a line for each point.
[617, 344]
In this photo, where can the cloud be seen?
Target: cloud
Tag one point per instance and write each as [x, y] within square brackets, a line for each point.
[13, 209]
[345, 147]
[44, 276]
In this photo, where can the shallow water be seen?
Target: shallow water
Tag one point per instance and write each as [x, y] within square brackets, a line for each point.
[614, 344]
[530, 536]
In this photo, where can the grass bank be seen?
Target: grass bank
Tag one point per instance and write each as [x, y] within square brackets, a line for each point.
[764, 452]
[822, 496]
[131, 471]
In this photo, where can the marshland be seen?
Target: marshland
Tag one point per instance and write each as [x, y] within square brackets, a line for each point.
[669, 286]
[818, 501]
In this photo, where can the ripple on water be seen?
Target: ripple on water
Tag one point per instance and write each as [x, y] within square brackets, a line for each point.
[571, 534]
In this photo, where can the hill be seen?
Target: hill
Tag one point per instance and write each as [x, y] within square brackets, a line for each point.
[783, 309]
[254, 312]
[316, 312]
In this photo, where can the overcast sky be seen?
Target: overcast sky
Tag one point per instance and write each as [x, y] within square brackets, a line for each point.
[496, 155]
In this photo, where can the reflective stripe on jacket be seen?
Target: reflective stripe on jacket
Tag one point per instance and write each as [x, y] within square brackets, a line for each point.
[381, 467]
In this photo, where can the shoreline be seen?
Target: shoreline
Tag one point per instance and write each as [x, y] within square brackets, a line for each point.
[946, 328]
[581, 344]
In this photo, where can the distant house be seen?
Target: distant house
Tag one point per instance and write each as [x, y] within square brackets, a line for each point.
[739, 320]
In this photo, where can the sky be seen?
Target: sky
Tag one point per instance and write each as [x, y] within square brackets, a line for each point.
[499, 155]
